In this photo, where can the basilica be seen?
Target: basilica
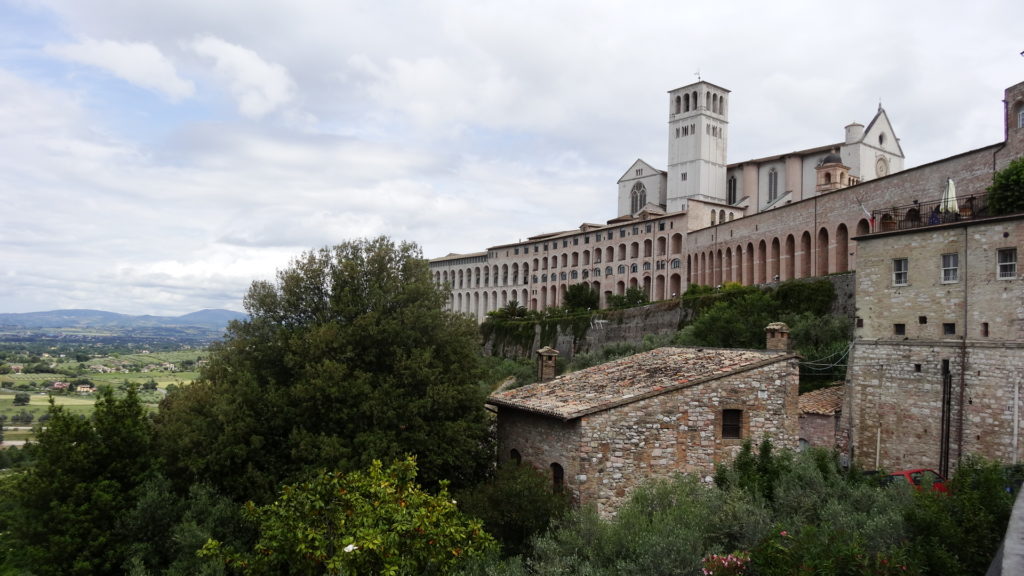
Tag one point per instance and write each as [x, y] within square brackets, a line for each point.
[704, 220]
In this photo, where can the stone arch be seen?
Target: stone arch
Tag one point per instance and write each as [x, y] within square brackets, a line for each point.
[805, 255]
[748, 265]
[675, 285]
[727, 266]
[661, 248]
[863, 227]
[677, 243]
[775, 260]
[842, 249]
[659, 287]
[634, 250]
[762, 262]
[822, 250]
[789, 270]
[648, 248]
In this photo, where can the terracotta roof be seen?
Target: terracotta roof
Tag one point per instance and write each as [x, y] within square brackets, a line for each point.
[826, 401]
[632, 378]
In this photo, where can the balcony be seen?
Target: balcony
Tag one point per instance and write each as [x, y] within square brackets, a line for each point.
[923, 214]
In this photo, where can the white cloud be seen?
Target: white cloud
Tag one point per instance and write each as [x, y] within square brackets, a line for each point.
[260, 87]
[139, 63]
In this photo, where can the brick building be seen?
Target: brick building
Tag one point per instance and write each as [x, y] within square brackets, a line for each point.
[936, 368]
[601, 431]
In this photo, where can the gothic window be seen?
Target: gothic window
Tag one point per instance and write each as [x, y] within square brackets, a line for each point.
[686, 103]
[773, 185]
[730, 190]
[678, 108]
[638, 198]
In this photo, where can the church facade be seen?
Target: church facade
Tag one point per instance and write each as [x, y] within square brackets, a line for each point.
[703, 220]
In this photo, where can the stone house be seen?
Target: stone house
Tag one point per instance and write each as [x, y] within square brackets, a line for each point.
[602, 431]
[820, 414]
[935, 371]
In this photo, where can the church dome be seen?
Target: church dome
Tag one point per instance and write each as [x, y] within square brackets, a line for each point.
[832, 158]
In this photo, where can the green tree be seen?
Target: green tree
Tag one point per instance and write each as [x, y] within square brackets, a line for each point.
[1006, 194]
[515, 505]
[22, 398]
[377, 521]
[62, 515]
[581, 297]
[634, 296]
[349, 357]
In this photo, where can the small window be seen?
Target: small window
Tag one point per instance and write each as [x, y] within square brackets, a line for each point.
[949, 329]
[557, 476]
[684, 176]
[515, 456]
[922, 319]
[1006, 259]
[732, 423]
[950, 268]
[917, 368]
[900, 271]
[860, 322]
[899, 329]
[984, 329]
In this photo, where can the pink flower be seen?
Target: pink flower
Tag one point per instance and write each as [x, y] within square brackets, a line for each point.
[784, 534]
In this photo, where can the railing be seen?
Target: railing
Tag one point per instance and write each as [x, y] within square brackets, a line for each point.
[921, 214]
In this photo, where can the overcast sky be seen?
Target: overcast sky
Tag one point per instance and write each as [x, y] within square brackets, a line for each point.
[158, 156]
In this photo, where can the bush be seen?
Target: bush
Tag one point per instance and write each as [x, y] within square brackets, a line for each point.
[516, 504]
[22, 398]
[1006, 194]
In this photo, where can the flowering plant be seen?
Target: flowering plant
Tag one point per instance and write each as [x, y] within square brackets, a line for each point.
[728, 565]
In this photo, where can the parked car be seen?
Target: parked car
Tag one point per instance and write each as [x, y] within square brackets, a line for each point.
[919, 478]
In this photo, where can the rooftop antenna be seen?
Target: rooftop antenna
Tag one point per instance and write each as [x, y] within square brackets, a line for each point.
[697, 73]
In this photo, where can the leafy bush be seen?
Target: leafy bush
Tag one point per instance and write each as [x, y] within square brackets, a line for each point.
[515, 505]
[1006, 194]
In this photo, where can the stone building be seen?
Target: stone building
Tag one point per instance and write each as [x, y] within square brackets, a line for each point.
[705, 221]
[820, 415]
[601, 431]
[935, 372]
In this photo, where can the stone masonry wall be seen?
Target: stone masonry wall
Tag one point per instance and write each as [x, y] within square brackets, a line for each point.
[818, 430]
[681, 431]
[895, 398]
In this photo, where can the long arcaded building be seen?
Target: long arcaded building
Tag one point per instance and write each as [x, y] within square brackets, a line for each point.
[705, 221]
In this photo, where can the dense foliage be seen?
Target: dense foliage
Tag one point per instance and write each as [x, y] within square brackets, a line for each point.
[779, 513]
[1006, 194]
[377, 522]
[63, 514]
[348, 358]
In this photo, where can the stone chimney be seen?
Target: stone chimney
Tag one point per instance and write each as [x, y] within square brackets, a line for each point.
[777, 334]
[546, 358]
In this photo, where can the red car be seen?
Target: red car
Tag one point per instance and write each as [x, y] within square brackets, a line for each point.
[920, 477]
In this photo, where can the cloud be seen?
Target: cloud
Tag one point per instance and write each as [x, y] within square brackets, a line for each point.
[139, 63]
[260, 87]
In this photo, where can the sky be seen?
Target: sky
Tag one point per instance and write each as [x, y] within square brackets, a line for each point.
[157, 157]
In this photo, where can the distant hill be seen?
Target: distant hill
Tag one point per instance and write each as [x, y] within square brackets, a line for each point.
[203, 325]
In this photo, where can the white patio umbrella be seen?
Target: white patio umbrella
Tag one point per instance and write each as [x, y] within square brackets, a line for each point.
[948, 203]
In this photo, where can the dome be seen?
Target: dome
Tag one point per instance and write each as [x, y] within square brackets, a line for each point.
[832, 158]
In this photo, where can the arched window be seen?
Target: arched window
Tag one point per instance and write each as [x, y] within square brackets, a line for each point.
[557, 476]
[730, 190]
[686, 103]
[622, 268]
[676, 263]
[608, 271]
[632, 268]
[773, 185]
[515, 456]
[637, 198]
[678, 107]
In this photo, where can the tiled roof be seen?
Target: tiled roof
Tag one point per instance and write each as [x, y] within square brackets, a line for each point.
[631, 379]
[826, 401]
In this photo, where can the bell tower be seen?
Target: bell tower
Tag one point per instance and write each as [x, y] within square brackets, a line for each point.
[698, 135]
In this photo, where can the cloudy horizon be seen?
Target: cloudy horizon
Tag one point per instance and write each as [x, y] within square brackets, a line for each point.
[158, 157]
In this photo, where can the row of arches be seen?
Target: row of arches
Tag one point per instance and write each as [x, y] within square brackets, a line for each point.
[688, 101]
[776, 259]
[478, 303]
[517, 273]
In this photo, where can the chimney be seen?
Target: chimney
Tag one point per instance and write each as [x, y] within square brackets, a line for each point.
[777, 336]
[546, 357]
